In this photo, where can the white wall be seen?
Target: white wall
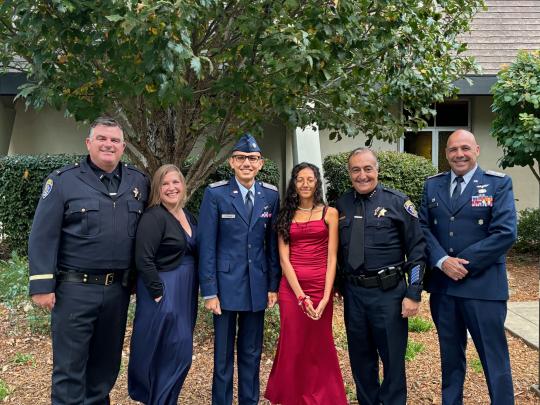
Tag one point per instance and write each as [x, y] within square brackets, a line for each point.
[7, 116]
[526, 190]
[46, 131]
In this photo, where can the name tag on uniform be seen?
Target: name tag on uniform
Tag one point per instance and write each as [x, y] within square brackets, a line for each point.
[228, 216]
[482, 201]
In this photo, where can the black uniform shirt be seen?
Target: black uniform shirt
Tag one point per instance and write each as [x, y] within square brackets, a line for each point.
[79, 226]
[392, 233]
[111, 180]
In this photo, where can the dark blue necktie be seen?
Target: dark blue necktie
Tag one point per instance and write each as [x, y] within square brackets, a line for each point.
[249, 204]
[457, 191]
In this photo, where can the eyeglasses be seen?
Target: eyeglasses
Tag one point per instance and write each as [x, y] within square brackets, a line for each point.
[242, 158]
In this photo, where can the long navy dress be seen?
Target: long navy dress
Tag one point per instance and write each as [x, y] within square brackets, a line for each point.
[162, 339]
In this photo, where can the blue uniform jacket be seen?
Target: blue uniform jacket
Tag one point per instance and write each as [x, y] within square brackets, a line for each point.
[238, 257]
[481, 229]
[79, 226]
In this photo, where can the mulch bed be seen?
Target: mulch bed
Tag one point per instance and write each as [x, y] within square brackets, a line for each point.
[25, 359]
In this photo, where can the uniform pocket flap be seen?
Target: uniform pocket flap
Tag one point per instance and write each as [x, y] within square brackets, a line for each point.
[83, 206]
[135, 206]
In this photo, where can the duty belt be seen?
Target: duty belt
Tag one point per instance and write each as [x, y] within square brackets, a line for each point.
[100, 279]
[385, 278]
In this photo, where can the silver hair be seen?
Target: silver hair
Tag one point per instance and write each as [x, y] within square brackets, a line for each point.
[364, 149]
[107, 122]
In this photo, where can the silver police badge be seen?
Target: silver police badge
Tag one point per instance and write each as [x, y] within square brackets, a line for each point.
[136, 193]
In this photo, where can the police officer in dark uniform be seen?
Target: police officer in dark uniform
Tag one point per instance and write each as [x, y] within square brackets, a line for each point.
[80, 253]
[380, 241]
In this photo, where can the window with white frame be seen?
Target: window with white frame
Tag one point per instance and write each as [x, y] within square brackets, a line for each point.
[430, 142]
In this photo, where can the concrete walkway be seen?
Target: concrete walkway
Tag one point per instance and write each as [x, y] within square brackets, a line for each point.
[522, 321]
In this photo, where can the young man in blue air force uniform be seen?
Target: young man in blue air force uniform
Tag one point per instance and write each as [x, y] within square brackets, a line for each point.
[239, 269]
[469, 222]
[80, 251]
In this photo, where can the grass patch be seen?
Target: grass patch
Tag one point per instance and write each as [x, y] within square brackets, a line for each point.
[24, 358]
[14, 296]
[4, 390]
[413, 348]
[418, 324]
[350, 392]
[476, 366]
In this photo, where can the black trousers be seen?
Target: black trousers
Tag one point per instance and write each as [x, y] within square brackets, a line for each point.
[375, 328]
[88, 323]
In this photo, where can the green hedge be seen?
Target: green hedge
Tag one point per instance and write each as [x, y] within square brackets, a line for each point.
[401, 171]
[21, 180]
[528, 231]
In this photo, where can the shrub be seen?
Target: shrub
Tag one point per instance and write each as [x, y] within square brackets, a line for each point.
[528, 231]
[21, 180]
[401, 171]
[271, 329]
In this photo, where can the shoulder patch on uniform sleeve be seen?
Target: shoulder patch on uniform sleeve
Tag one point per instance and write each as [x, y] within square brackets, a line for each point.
[219, 183]
[437, 175]
[494, 173]
[269, 186]
[410, 208]
[47, 188]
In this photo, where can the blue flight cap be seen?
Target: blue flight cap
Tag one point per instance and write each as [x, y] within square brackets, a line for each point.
[246, 144]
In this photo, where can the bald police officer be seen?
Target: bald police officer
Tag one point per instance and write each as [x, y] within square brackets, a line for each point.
[380, 240]
[80, 249]
[239, 269]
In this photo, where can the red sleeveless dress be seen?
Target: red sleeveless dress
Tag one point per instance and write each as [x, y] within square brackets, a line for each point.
[306, 368]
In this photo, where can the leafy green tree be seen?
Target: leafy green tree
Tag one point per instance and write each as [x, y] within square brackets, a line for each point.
[516, 104]
[187, 77]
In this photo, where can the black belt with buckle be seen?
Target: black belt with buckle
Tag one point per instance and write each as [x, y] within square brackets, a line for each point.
[385, 278]
[100, 279]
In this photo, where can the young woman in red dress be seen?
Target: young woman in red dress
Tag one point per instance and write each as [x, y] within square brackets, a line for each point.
[306, 368]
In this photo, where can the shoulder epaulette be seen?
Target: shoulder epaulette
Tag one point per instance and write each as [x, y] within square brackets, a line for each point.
[494, 173]
[135, 168]
[396, 192]
[219, 183]
[58, 172]
[269, 186]
[437, 175]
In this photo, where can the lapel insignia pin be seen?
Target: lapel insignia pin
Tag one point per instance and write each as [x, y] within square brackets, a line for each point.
[480, 222]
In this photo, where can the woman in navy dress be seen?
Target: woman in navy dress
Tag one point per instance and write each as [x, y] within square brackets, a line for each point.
[165, 257]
